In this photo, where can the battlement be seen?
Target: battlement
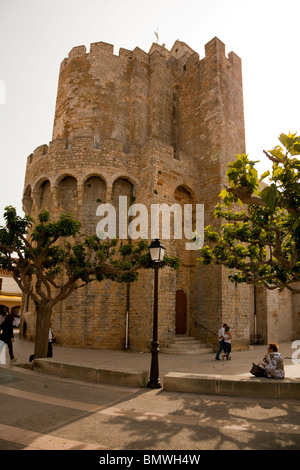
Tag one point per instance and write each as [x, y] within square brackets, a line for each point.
[135, 95]
[179, 51]
[215, 47]
[78, 51]
[99, 50]
[82, 143]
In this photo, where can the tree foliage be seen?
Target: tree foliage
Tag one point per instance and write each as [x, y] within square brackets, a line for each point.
[50, 260]
[261, 243]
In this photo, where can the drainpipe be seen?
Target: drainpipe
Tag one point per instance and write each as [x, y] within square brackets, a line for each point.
[255, 312]
[128, 286]
[127, 317]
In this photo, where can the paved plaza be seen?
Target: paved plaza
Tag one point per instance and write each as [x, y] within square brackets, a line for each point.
[39, 411]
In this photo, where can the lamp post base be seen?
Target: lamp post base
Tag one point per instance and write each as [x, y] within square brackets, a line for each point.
[154, 371]
[154, 384]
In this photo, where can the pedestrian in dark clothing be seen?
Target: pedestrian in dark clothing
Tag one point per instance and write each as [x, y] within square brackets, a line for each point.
[8, 333]
[227, 342]
[51, 339]
[221, 341]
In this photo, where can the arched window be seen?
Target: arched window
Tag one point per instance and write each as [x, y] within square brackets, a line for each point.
[45, 196]
[67, 195]
[94, 193]
[27, 201]
[122, 187]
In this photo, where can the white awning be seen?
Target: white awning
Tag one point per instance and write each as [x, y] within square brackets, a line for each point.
[10, 298]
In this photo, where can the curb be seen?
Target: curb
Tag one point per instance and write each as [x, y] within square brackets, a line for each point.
[137, 379]
[232, 386]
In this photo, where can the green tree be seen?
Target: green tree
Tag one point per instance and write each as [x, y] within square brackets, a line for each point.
[49, 260]
[260, 244]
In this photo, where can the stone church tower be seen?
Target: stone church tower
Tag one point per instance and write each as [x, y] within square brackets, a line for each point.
[157, 127]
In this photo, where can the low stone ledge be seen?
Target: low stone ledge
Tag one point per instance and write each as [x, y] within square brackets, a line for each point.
[125, 378]
[232, 385]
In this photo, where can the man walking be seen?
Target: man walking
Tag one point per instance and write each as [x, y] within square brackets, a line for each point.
[221, 341]
[8, 333]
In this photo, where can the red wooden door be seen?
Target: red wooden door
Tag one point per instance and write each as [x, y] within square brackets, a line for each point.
[181, 304]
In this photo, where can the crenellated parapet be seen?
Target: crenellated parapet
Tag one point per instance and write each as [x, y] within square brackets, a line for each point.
[130, 96]
[81, 143]
[78, 158]
[180, 50]
[81, 158]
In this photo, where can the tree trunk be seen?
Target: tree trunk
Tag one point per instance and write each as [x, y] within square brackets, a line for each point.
[43, 314]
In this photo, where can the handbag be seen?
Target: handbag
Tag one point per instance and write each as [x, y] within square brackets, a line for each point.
[256, 370]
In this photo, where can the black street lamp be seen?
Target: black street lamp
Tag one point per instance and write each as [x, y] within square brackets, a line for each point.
[157, 252]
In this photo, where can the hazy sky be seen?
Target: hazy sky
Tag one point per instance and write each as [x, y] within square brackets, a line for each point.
[36, 35]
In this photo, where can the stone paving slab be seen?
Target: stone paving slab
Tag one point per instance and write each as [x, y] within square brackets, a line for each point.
[39, 411]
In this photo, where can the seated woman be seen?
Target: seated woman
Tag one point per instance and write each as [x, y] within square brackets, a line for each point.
[272, 363]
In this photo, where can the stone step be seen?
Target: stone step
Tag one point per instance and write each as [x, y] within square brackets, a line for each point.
[186, 339]
[188, 345]
[186, 351]
[185, 344]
